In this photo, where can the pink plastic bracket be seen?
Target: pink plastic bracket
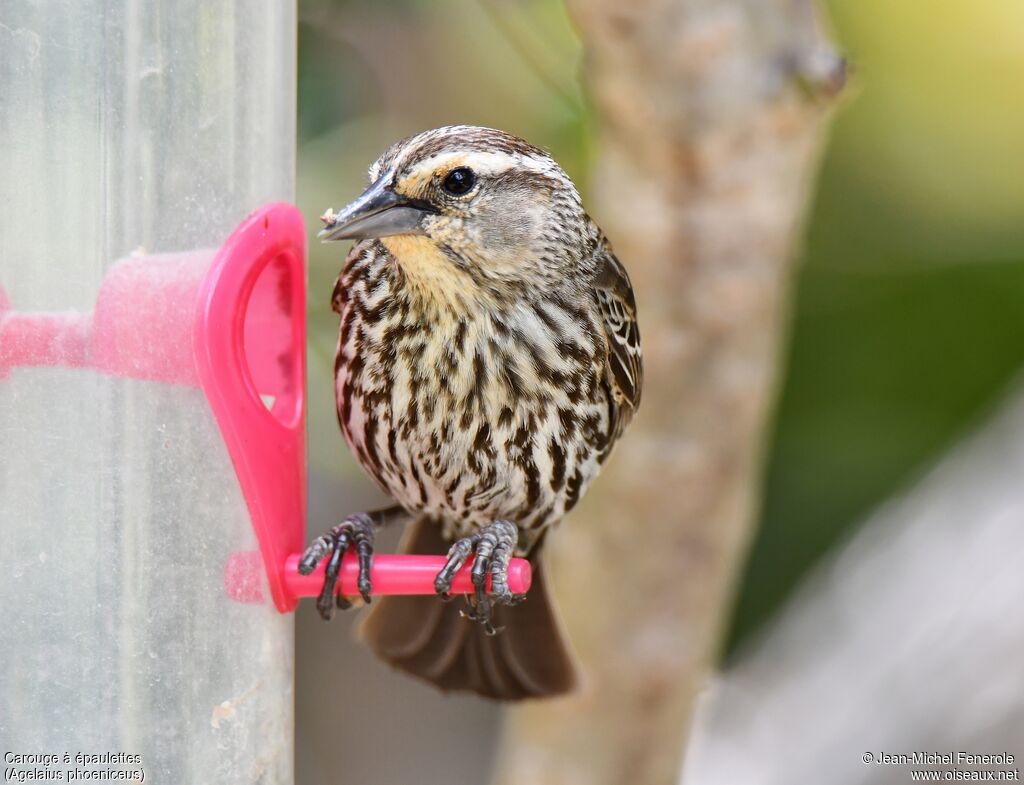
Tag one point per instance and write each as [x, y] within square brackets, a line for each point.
[249, 344]
[231, 321]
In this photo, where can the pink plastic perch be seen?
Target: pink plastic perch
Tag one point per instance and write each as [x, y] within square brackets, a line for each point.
[397, 575]
[392, 574]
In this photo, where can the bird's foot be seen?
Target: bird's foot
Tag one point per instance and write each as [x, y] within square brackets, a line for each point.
[356, 531]
[494, 545]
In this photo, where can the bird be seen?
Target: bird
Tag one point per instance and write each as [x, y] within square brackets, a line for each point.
[488, 360]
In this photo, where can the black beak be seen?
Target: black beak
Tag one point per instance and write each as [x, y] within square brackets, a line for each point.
[378, 212]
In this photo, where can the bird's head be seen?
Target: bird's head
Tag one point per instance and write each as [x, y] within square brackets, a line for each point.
[471, 209]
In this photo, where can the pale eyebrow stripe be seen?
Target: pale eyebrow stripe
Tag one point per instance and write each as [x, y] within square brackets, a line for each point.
[484, 162]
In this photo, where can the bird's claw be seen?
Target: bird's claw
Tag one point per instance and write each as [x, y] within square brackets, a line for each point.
[494, 545]
[356, 531]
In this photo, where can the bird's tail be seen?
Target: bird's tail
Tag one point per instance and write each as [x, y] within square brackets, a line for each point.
[428, 638]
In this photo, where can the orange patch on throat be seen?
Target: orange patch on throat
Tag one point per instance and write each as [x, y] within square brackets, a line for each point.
[428, 271]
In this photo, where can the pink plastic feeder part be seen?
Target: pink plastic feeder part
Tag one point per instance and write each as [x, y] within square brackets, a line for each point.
[230, 321]
[233, 323]
[249, 344]
[397, 575]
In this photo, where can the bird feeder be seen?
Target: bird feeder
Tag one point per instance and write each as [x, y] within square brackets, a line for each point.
[134, 140]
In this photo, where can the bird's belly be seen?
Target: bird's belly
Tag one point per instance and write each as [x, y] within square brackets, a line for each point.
[467, 421]
[501, 460]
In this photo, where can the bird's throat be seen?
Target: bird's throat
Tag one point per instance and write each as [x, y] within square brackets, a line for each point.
[431, 276]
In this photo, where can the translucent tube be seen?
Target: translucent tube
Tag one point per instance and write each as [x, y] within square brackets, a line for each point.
[126, 127]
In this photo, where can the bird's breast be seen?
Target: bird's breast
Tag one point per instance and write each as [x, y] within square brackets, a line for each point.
[471, 416]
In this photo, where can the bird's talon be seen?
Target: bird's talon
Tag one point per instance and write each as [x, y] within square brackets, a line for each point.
[355, 531]
[493, 546]
[312, 555]
[365, 588]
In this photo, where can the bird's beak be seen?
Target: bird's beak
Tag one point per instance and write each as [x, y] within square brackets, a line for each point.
[378, 212]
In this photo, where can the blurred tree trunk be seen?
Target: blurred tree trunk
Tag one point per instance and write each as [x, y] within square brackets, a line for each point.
[712, 116]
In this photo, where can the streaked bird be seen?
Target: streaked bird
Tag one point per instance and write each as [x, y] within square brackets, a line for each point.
[488, 360]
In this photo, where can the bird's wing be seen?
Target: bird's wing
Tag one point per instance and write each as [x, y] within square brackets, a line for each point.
[618, 313]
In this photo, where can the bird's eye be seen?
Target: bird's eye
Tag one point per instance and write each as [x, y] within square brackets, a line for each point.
[459, 181]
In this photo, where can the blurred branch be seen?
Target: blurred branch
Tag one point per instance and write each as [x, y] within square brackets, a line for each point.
[712, 118]
[909, 640]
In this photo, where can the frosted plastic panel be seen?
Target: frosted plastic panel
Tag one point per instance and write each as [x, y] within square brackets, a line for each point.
[128, 126]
